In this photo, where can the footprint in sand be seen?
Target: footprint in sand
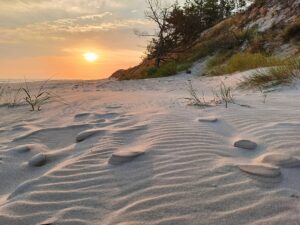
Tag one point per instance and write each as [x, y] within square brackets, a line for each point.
[270, 165]
[121, 157]
[38, 160]
[82, 116]
[21, 149]
[245, 144]
[281, 160]
[208, 119]
[88, 134]
[261, 170]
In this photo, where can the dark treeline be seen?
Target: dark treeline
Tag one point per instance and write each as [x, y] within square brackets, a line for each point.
[182, 25]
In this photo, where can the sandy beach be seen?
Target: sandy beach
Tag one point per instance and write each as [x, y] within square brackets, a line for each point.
[135, 152]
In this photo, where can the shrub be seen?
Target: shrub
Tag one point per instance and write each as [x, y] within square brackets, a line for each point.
[151, 71]
[184, 66]
[36, 100]
[169, 69]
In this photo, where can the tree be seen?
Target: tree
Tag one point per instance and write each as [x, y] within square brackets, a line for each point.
[181, 25]
[158, 14]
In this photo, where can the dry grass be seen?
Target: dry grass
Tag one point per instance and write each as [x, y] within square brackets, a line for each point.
[223, 95]
[10, 96]
[35, 95]
[2, 90]
[284, 74]
[226, 94]
[195, 99]
[241, 62]
[36, 100]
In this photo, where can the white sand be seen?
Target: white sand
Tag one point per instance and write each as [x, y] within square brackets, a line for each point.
[176, 164]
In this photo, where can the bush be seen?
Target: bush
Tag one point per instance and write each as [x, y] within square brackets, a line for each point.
[283, 74]
[169, 69]
[184, 66]
[151, 71]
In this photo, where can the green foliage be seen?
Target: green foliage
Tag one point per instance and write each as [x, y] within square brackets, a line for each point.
[184, 66]
[283, 74]
[259, 2]
[152, 71]
[205, 48]
[242, 62]
[168, 69]
[218, 60]
[225, 42]
[182, 25]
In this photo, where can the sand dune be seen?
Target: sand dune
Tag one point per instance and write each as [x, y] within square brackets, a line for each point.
[134, 152]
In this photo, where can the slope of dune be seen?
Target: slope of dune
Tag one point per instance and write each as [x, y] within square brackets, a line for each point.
[266, 26]
[171, 163]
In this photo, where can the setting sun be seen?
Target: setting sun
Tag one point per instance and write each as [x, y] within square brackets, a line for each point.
[90, 56]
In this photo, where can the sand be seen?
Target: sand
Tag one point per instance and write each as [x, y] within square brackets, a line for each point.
[135, 152]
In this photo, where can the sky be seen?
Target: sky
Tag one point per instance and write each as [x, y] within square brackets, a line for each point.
[42, 39]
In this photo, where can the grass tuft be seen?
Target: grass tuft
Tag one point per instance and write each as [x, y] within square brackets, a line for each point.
[284, 74]
[241, 62]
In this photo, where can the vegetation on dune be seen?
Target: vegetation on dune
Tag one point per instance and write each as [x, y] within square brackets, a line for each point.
[222, 64]
[168, 69]
[283, 74]
[9, 96]
[200, 29]
[181, 26]
[223, 95]
[25, 94]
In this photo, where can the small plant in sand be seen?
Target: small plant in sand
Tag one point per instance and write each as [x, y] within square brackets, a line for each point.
[1, 91]
[223, 95]
[36, 100]
[226, 94]
[264, 94]
[13, 97]
[195, 99]
[9, 96]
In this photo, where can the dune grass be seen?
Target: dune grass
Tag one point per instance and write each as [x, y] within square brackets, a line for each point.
[10, 96]
[220, 65]
[33, 95]
[284, 74]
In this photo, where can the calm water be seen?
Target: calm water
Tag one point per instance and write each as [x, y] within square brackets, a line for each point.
[13, 81]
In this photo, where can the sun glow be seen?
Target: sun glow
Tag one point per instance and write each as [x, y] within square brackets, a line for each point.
[90, 56]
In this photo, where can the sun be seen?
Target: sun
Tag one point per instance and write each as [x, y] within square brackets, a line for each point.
[90, 56]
